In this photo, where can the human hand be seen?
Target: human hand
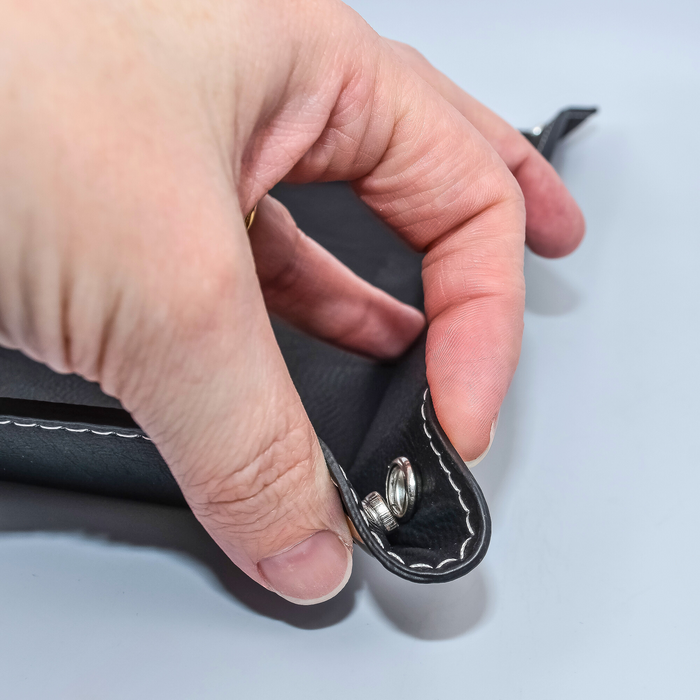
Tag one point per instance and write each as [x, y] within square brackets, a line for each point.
[136, 135]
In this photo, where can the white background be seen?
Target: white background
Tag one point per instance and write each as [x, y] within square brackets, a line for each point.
[590, 588]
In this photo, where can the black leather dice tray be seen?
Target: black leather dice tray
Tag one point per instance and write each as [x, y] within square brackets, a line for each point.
[62, 431]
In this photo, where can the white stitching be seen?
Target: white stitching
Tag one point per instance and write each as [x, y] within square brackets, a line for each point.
[454, 486]
[442, 563]
[75, 430]
[376, 537]
[396, 556]
[452, 483]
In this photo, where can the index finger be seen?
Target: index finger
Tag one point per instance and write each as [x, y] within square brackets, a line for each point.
[431, 176]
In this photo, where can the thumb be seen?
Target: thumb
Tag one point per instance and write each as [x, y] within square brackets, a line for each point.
[215, 396]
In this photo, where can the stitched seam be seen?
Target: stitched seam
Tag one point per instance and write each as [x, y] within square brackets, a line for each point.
[419, 565]
[463, 548]
[101, 433]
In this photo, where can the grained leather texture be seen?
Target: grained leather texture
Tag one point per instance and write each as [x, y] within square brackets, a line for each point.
[63, 431]
[21, 378]
[93, 449]
[450, 530]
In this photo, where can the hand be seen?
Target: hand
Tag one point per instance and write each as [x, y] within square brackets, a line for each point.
[135, 136]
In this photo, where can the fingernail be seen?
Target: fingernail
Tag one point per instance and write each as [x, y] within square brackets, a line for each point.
[478, 459]
[310, 572]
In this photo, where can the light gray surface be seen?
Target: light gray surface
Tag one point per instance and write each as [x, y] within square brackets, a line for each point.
[590, 589]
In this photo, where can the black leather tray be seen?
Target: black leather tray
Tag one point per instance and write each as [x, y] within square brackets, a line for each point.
[63, 431]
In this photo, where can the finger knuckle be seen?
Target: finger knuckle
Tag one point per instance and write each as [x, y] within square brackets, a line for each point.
[410, 52]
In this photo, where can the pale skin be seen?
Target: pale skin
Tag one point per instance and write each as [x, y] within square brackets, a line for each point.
[134, 138]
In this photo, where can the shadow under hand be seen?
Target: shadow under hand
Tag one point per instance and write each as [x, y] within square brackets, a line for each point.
[547, 293]
[428, 612]
[28, 508]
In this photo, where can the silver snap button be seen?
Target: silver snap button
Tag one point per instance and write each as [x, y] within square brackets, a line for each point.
[401, 488]
[378, 512]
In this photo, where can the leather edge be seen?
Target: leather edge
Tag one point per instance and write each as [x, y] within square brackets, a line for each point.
[373, 542]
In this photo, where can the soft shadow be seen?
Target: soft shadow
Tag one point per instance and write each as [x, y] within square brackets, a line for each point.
[492, 472]
[450, 610]
[433, 612]
[548, 294]
[30, 509]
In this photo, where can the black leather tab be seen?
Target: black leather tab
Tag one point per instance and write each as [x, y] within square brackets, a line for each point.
[450, 529]
[449, 533]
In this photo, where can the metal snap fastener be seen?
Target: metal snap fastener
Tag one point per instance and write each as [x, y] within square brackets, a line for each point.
[401, 488]
[378, 512]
